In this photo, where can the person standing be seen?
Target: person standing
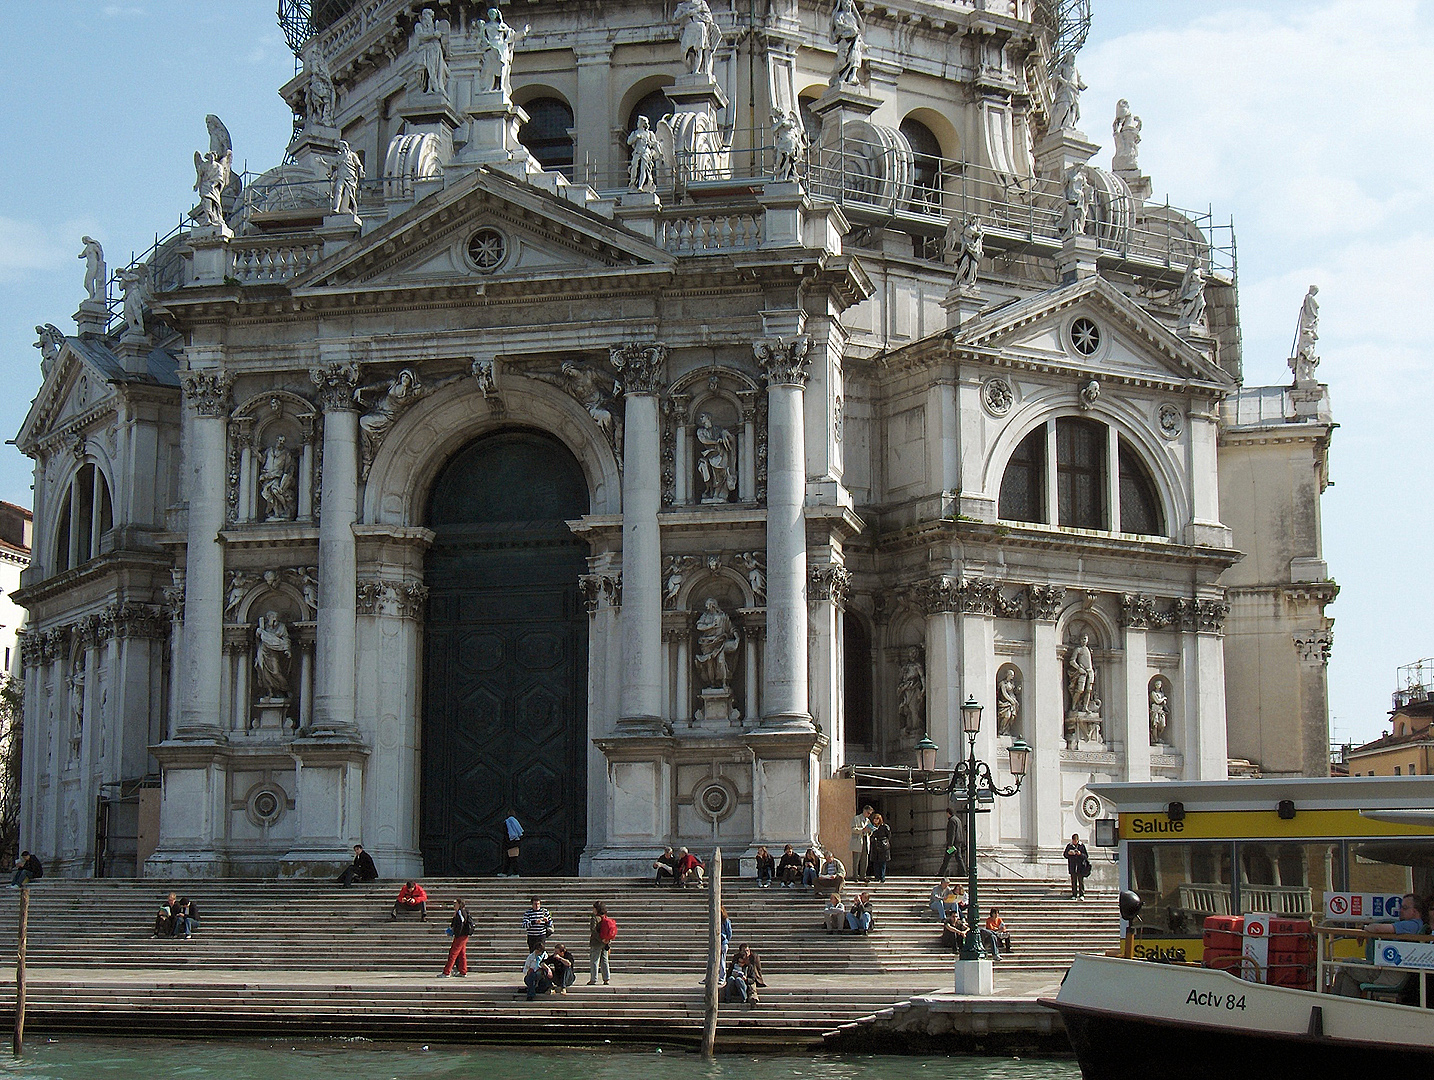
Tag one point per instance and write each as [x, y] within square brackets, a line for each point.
[512, 836]
[460, 930]
[880, 847]
[861, 829]
[1078, 863]
[953, 844]
[537, 924]
[602, 932]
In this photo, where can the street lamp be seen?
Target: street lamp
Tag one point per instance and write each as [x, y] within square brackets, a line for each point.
[971, 778]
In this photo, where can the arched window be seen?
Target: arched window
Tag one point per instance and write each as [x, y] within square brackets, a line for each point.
[1084, 486]
[654, 106]
[1023, 487]
[926, 150]
[86, 514]
[548, 134]
[1139, 508]
[856, 681]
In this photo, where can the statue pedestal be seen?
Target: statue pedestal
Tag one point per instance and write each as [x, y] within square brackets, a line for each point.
[1141, 187]
[493, 124]
[1062, 150]
[638, 210]
[1308, 398]
[962, 304]
[209, 255]
[975, 978]
[716, 709]
[697, 138]
[270, 713]
[92, 319]
[1083, 731]
[845, 103]
[314, 149]
[338, 231]
[134, 349]
[1077, 258]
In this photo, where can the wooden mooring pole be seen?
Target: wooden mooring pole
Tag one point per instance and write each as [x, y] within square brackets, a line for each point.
[20, 969]
[714, 952]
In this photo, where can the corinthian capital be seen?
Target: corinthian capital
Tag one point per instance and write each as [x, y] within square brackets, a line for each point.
[208, 390]
[784, 360]
[336, 383]
[640, 364]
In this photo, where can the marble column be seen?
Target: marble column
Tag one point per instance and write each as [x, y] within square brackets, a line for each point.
[201, 669]
[336, 619]
[1135, 613]
[784, 696]
[1203, 737]
[640, 708]
[939, 599]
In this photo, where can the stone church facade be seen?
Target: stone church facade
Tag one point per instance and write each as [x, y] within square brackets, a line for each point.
[633, 419]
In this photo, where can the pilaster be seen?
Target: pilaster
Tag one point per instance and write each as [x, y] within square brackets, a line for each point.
[1046, 690]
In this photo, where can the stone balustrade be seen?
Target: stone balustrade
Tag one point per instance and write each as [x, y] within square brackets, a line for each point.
[701, 234]
[253, 264]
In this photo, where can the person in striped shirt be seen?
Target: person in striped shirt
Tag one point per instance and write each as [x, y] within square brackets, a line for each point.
[537, 924]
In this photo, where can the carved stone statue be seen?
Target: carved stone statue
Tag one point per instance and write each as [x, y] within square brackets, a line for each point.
[486, 375]
[789, 145]
[850, 45]
[965, 246]
[211, 174]
[396, 395]
[279, 482]
[674, 573]
[133, 280]
[239, 583]
[756, 575]
[1066, 88]
[911, 693]
[1078, 202]
[646, 153]
[1304, 361]
[700, 35]
[1008, 701]
[272, 655]
[96, 274]
[1192, 296]
[1159, 712]
[52, 340]
[430, 42]
[716, 461]
[593, 390]
[495, 53]
[319, 95]
[1126, 132]
[308, 583]
[345, 174]
[717, 642]
[1080, 678]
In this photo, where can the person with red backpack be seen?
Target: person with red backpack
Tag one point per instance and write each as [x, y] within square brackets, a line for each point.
[601, 935]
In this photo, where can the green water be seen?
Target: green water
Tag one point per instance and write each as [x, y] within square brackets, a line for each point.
[323, 1059]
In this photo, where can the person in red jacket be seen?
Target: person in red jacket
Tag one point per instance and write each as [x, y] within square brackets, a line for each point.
[411, 897]
[689, 867]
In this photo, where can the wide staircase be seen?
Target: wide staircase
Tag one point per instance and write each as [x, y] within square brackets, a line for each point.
[313, 958]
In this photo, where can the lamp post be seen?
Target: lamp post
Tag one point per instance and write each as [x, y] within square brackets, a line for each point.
[973, 777]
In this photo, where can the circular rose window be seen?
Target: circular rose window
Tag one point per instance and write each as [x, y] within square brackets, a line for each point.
[487, 248]
[1085, 337]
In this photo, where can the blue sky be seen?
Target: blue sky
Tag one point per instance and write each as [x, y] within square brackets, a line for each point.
[1309, 123]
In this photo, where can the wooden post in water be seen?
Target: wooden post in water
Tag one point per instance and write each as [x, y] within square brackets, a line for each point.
[20, 969]
[714, 952]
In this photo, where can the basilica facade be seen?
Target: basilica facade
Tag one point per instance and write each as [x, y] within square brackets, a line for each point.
[634, 419]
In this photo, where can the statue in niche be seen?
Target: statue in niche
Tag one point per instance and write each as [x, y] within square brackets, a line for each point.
[850, 44]
[96, 274]
[700, 35]
[132, 281]
[911, 692]
[1192, 296]
[344, 175]
[429, 39]
[77, 706]
[756, 575]
[1304, 362]
[646, 153]
[1126, 132]
[1159, 712]
[1083, 717]
[272, 655]
[1008, 701]
[789, 144]
[717, 642]
[495, 53]
[1065, 98]
[319, 95]
[716, 460]
[965, 246]
[279, 481]
[1078, 203]
[52, 340]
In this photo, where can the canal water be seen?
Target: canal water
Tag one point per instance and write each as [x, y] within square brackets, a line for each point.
[342, 1059]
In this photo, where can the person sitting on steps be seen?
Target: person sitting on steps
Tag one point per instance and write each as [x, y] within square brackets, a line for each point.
[860, 919]
[834, 914]
[537, 973]
[996, 929]
[766, 868]
[186, 918]
[164, 918]
[27, 869]
[743, 977]
[412, 897]
[811, 867]
[565, 968]
[689, 868]
[666, 867]
[953, 930]
[789, 868]
[361, 869]
[832, 877]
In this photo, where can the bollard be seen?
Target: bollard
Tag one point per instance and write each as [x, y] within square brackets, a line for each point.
[714, 952]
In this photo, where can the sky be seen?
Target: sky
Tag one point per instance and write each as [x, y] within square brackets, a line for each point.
[1308, 122]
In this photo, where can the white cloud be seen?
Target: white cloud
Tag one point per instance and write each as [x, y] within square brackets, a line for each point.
[124, 11]
[26, 247]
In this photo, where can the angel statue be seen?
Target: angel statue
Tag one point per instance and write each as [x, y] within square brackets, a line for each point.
[1125, 130]
[849, 42]
[1192, 296]
[52, 340]
[133, 280]
[700, 35]
[646, 153]
[789, 142]
[213, 171]
[965, 244]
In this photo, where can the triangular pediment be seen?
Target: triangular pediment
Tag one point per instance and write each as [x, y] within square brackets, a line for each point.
[77, 388]
[1131, 343]
[536, 234]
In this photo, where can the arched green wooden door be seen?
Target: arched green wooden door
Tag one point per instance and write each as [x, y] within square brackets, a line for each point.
[505, 672]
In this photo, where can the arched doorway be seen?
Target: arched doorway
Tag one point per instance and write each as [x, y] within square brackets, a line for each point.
[505, 667]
